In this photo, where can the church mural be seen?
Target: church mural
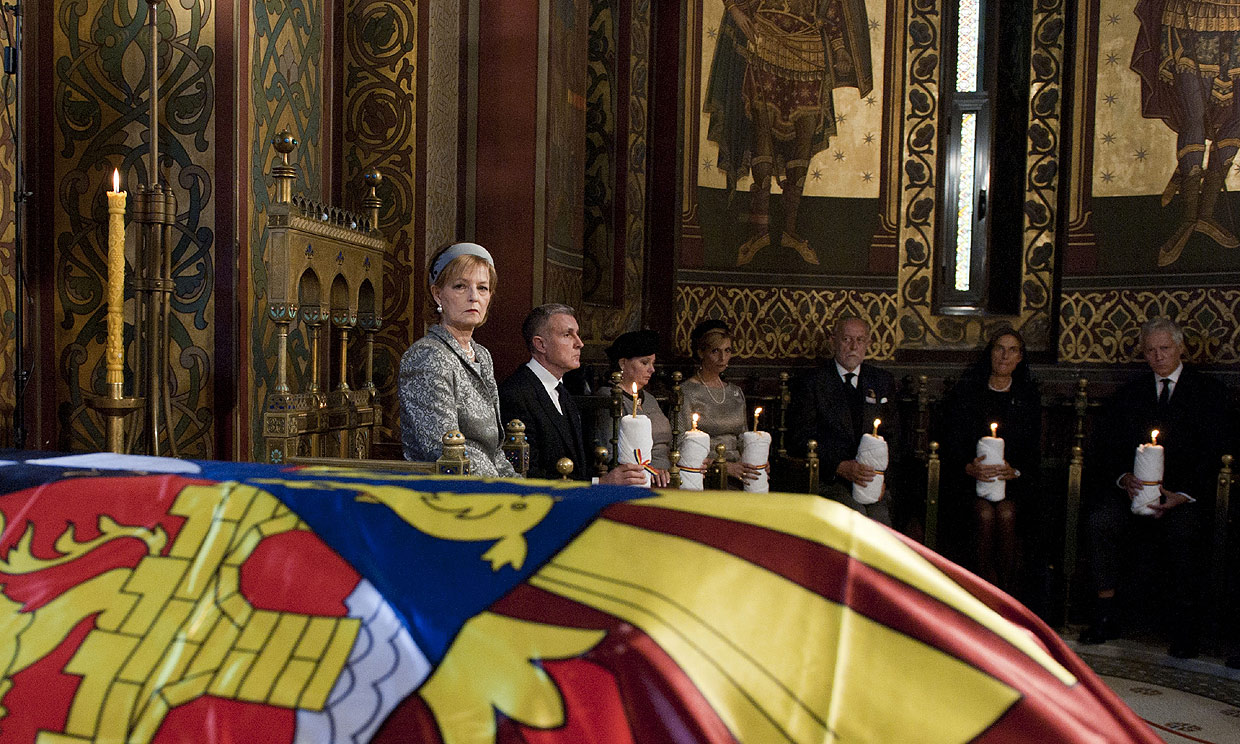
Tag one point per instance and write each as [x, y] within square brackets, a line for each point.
[1153, 215]
[101, 123]
[1166, 130]
[788, 134]
[379, 132]
[286, 85]
[783, 170]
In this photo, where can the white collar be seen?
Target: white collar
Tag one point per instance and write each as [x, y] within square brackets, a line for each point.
[839, 368]
[548, 380]
[1174, 376]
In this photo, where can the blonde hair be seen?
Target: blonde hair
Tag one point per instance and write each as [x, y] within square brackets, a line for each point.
[457, 268]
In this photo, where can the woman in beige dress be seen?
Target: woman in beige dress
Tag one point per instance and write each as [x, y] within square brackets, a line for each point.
[720, 405]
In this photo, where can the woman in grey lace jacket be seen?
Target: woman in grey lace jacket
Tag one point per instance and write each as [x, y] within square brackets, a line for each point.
[447, 380]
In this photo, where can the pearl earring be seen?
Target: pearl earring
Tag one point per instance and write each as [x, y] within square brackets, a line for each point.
[439, 309]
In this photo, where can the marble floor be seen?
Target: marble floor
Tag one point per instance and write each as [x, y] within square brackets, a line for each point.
[1183, 700]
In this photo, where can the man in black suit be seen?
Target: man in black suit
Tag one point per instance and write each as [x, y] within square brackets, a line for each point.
[836, 404]
[1189, 410]
[535, 394]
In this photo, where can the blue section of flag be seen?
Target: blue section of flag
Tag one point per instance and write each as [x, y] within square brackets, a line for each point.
[434, 584]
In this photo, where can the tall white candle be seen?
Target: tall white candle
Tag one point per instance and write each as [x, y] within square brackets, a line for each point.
[756, 450]
[872, 452]
[114, 348]
[635, 442]
[1148, 467]
[694, 448]
[990, 449]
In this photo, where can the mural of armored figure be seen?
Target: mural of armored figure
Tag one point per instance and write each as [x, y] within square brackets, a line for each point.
[1187, 53]
[770, 102]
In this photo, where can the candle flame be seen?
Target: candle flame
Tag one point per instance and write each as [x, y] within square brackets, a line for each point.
[1154, 437]
[876, 423]
[116, 180]
[756, 412]
[994, 429]
[696, 416]
[635, 388]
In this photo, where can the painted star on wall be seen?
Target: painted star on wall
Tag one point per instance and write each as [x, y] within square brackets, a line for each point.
[1113, 19]
[1140, 154]
[816, 175]
[1112, 59]
[869, 138]
[707, 165]
[867, 176]
[1108, 176]
[839, 156]
[1108, 138]
[1110, 99]
[712, 32]
[870, 100]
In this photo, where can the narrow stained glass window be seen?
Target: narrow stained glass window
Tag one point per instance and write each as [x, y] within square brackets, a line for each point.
[964, 200]
[968, 34]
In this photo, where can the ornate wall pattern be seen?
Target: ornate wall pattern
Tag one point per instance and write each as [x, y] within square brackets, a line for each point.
[380, 95]
[8, 321]
[102, 113]
[919, 327]
[1101, 326]
[601, 324]
[780, 323]
[598, 237]
[286, 92]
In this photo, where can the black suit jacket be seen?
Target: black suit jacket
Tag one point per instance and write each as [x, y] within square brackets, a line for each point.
[819, 410]
[1195, 427]
[551, 435]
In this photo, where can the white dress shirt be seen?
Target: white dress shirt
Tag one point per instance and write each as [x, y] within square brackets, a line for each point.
[550, 382]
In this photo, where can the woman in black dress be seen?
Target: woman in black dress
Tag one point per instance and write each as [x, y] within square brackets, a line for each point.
[997, 389]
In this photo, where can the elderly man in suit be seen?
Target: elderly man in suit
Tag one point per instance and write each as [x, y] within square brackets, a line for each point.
[535, 394]
[1189, 410]
[835, 404]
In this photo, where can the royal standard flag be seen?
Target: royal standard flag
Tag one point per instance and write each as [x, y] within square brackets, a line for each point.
[150, 600]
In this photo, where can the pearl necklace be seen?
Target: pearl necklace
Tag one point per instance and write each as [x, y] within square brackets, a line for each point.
[723, 391]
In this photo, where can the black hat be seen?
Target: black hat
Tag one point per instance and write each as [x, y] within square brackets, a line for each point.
[703, 328]
[633, 344]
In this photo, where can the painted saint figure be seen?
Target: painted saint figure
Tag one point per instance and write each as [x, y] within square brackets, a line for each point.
[1187, 53]
[770, 100]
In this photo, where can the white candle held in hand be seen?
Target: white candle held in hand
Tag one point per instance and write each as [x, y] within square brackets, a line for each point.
[756, 451]
[694, 451]
[1148, 467]
[990, 449]
[636, 442]
[872, 452]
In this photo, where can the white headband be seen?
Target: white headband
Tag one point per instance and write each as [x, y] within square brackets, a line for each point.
[456, 250]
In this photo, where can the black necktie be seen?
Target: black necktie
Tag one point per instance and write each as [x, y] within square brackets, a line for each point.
[1164, 396]
[848, 379]
[562, 393]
